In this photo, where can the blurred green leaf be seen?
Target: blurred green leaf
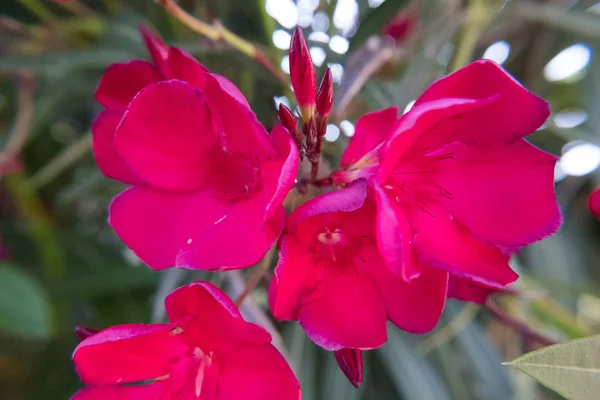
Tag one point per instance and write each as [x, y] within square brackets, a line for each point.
[571, 369]
[104, 281]
[52, 63]
[24, 306]
[411, 373]
[577, 22]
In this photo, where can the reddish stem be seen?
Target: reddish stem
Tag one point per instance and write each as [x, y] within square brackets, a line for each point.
[517, 325]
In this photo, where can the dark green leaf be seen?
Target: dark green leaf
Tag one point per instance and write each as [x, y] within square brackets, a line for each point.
[24, 306]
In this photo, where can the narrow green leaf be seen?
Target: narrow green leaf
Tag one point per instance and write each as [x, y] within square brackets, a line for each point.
[412, 375]
[24, 307]
[571, 369]
[580, 23]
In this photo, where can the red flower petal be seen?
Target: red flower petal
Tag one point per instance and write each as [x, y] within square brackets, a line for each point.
[296, 274]
[257, 373]
[371, 130]
[156, 47]
[415, 306]
[344, 310]
[348, 199]
[193, 230]
[421, 125]
[181, 65]
[244, 224]
[446, 244]
[121, 82]
[141, 392]
[107, 158]
[127, 353]
[465, 290]
[394, 237]
[503, 193]
[514, 113]
[208, 304]
[278, 174]
[241, 132]
[165, 135]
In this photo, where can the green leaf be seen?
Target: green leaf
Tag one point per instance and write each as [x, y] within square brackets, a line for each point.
[571, 369]
[24, 307]
[62, 63]
[412, 375]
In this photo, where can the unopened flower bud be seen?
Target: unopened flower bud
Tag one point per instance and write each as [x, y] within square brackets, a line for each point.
[302, 72]
[350, 362]
[288, 120]
[325, 94]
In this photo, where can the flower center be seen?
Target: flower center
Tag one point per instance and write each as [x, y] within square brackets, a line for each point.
[330, 238]
[205, 360]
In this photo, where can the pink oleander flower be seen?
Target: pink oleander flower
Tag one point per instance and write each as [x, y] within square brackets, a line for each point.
[207, 352]
[205, 173]
[594, 202]
[457, 187]
[332, 278]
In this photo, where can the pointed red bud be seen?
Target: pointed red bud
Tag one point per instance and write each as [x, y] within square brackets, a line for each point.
[83, 332]
[302, 72]
[350, 362]
[325, 94]
[288, 120]
[156, 47]
[286, 117]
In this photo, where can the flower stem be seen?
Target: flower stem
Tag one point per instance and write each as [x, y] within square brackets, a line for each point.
[517, 325]
[256, 276]
[478, 16]
[217, 32]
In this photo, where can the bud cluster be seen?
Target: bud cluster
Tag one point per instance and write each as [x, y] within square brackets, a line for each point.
[314, 105]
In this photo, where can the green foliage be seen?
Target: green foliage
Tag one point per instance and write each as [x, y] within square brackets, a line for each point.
[25, 309]
[571, 369]
[67, 267]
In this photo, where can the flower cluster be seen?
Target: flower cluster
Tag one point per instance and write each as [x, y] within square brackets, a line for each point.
[425, 206]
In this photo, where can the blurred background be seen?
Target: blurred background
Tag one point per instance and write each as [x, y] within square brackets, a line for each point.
[62, 266]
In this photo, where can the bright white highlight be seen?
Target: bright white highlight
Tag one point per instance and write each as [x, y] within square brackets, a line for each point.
[409, 106]
[347, 128]
[284, 11]
[332, 133]
[285, 64]
[497, 52]
[345, 14]
[318, 55]
[559, 174]
[570, 118]
[580, 159]
[375, 3]
[568, 62]
[319, 37]
[281, 39]
[320, 22]
[309, 5]
[339, 44]
[281, 100]
[337, 72]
